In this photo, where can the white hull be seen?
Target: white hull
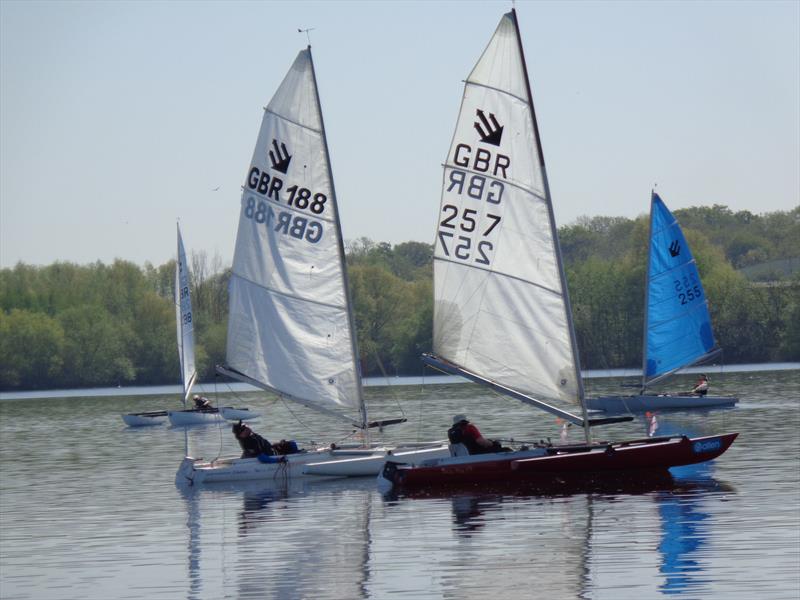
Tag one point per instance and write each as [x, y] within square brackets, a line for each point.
[649, 402]
[316, 464]
[198, 417]
[145, 419]
[365, 466]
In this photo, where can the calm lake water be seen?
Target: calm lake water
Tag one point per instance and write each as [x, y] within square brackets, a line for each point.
[89, 509]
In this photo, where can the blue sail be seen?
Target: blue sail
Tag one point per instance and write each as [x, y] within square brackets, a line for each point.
[678, 325]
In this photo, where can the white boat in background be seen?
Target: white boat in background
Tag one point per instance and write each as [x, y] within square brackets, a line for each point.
[144, 419]
[184, 327]
[290, 327]
[678, 331]
[203, 416]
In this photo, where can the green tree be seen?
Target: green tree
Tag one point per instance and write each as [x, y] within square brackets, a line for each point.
[31, 348]
[96, 347]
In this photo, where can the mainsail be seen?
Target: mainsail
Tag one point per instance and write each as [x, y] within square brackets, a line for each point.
[677, 322]
[183, 320]
[290, 328]
[501, 306]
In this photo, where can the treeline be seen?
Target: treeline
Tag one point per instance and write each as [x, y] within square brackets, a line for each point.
[606, 260]
[67, 325]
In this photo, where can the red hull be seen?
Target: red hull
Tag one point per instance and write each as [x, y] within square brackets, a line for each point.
[651, 455]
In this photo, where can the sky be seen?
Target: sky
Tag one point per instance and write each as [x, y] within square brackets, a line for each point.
[118, 119]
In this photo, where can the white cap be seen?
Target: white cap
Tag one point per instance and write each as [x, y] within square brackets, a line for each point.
[458, 418]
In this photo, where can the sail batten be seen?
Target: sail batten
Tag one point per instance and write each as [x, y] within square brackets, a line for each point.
[287, 295]
[490, 271]
[501, 309]
[290, 326]
[291, 122]
[496, 89]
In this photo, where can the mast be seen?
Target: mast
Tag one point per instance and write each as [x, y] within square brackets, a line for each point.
[645, 327]
[554, 232]
[362, 409]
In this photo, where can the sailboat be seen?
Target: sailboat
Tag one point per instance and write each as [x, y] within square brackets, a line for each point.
[677, 331]
[502, 316]
[185, 332]
[291, 327]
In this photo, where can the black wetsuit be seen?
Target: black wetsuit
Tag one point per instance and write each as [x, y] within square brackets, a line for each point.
[254, 445]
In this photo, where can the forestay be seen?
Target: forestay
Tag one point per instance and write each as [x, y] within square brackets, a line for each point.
[289, 327]
[183, 319]
[678, 325]
[500, 305]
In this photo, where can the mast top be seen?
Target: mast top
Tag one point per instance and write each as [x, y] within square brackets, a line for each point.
[308, 35]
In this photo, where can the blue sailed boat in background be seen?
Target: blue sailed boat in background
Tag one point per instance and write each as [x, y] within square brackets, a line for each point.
[677, 332]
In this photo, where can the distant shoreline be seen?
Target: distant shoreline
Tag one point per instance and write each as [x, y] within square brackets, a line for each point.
[208, 388]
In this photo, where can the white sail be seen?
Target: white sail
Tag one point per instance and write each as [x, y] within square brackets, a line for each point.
[501, 309]
[183, 319]
[290, 328]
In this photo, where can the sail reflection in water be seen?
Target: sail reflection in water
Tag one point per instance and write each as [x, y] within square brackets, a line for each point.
[282, 545]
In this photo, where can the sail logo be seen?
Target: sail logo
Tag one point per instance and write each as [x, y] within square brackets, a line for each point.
[490, 130]
[674, 248]
[279, 157]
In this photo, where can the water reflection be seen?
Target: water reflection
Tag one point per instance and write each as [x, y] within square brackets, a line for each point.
[684, 521]
[672, 508]
[283, 546]
[468, 512]
[107, 521]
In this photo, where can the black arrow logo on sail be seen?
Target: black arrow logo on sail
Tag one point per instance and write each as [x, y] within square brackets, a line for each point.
[674, 248]
[490, 132]
[280, 157]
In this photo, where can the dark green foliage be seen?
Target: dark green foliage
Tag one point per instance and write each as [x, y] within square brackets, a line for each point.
[66, 325]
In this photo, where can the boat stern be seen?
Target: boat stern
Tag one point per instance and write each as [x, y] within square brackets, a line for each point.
[186, 472]
[389, 476]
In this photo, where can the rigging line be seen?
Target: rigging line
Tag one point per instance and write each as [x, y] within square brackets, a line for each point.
[308, 429]
[220, 421]
[291, 412]
[392, 392]
[419, 412]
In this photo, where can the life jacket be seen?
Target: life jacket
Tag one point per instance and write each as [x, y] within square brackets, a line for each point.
[286, 447]
[456, 436]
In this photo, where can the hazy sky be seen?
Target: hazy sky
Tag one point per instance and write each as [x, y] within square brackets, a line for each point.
[118, 118]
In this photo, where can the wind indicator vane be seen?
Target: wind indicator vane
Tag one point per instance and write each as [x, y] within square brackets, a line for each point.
[306, 31]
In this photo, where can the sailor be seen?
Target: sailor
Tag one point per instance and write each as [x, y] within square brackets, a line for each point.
[201, 402]
[701, 387]
[252, 444]
[464, 432]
